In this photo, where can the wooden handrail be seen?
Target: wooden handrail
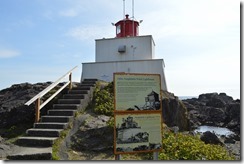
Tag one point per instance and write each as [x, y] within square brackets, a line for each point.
[37, 98]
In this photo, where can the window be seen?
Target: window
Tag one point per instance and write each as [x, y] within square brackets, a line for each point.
[118, 29]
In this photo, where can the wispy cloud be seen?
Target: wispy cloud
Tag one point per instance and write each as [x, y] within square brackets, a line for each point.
[7, 53]
[90, 32]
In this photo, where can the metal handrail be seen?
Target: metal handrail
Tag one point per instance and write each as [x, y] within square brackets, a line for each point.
[37, 98]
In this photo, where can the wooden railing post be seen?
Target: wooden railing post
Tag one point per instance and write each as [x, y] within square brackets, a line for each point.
[70, 80]
[37, 106]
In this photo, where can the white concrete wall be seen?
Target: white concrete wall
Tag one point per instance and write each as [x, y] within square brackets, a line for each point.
[137, 48]
[104, 70]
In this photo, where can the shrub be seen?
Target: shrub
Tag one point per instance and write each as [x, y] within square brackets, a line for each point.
[103, 99]
[187, 147]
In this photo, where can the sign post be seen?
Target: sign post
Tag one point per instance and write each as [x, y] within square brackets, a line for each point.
[138, 114]
[155, 156]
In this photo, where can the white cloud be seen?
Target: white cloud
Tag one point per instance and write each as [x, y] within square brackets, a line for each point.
[69, 12]
[5, 53]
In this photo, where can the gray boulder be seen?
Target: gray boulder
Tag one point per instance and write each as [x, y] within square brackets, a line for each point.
[94, 135]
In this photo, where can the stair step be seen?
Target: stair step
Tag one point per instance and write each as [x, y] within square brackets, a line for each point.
[78, 91]
[83, 88]
[55, 112]
[94, 80]
[50, 125]
[74, 96]
[69, 101]
[32, 154]
[36, 141]
[65, 109]
[44, 132]
[66, 106]
[88, 82]
[56, 119]
[85, 85]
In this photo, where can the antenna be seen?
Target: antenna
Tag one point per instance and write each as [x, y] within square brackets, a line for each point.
[133, 9]
[123, 9]
[124, 18]
[133, 26]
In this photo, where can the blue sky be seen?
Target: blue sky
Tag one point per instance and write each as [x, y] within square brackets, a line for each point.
[199, 40]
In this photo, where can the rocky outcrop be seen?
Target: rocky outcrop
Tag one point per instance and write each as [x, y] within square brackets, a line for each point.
[215, 110]
[93, 135]
[12, 100]
[174, 112]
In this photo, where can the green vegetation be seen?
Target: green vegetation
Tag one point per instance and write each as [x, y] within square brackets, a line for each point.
[187, 147]
[103, 99]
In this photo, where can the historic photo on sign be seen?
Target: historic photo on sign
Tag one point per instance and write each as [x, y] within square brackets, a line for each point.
[137, 92]
[138, 132]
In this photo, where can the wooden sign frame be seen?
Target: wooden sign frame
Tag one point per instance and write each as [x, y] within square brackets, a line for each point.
[138, 113]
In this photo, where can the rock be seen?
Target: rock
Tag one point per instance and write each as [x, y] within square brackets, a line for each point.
[4, 151]
[233, 116]
[235, 123]
[5, 148]
[215, 110]
[215, 115]
[235, 149]
[12, 100]
[229, 140]
[94, 135]
[174, 112]
[1, 139]
[210, 138]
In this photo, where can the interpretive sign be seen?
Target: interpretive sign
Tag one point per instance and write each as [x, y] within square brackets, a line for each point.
[137, 133]
[137, 92]
[138, 113]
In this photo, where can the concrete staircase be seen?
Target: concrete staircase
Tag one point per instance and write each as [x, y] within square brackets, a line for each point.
[37, 144]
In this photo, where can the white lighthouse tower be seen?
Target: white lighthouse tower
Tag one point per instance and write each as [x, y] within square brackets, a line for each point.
[128, 52]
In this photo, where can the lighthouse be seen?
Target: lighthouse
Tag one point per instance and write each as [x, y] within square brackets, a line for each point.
[127, 27]
[127, 52]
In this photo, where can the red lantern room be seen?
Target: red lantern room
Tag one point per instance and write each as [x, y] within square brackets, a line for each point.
[127, 27]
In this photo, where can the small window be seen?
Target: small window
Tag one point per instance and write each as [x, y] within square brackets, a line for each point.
[118, 29]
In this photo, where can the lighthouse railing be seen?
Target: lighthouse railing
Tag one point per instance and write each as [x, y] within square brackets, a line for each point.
[37, 98]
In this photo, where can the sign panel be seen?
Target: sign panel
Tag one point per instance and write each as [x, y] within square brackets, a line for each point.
[138, 113]
[137, 92]
[138, 132]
